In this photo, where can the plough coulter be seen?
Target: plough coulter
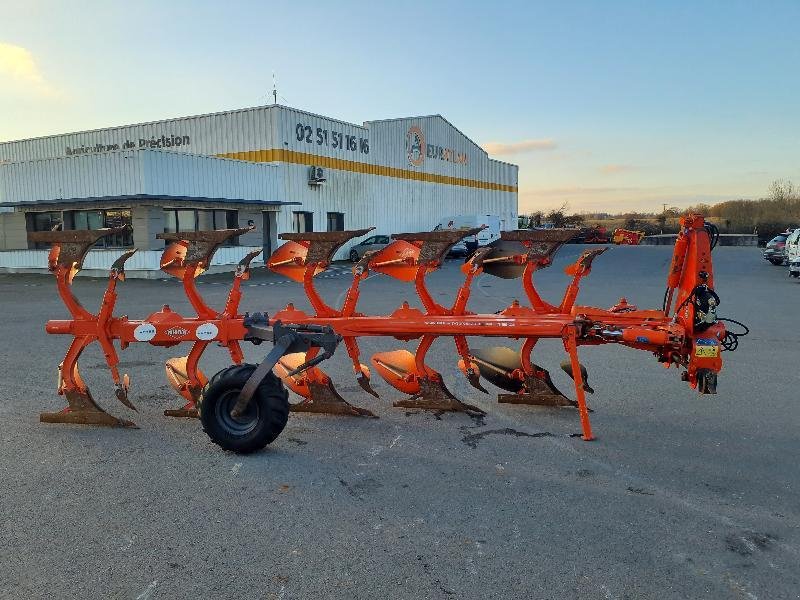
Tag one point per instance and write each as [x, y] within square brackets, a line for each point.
[244, 407]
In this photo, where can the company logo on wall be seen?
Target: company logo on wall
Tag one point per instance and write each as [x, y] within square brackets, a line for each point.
[418, 150]
[415, 146]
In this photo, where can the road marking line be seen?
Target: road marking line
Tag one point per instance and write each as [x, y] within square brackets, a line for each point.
[145, 595]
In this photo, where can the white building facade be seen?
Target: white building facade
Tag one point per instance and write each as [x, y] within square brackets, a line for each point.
[281, 168]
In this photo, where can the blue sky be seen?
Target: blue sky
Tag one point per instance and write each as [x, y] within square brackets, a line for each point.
[604, 105]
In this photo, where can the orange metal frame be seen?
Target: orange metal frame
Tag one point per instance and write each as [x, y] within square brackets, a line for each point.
[669, 335]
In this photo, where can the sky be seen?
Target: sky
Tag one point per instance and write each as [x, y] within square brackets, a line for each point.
[605, 106]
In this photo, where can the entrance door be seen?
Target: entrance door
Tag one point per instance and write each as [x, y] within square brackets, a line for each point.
[270, 232]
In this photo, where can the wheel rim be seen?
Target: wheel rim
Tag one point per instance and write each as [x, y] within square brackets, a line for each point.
[241, 425]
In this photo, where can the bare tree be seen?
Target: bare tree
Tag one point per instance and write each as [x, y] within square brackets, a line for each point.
[557, 216]
[781, 189]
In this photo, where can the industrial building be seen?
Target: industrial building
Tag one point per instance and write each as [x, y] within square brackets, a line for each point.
[279, 168]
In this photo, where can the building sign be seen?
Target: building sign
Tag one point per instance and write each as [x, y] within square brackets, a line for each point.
[417, 150]
[164, 141]
[331, 139]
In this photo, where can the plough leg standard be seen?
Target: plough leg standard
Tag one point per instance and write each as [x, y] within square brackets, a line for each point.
[245, 407]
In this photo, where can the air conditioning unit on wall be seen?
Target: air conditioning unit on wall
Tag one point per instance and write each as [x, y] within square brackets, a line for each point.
[316, 176]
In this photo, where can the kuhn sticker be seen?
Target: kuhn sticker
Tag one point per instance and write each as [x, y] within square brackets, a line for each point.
[206, 331]
[177, 332]
[144, 332]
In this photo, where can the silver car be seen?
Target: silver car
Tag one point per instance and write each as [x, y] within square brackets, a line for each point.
[376, 242]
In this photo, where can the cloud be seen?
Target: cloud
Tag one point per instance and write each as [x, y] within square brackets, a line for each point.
[521, 147]
[18, 65]
[612, 169]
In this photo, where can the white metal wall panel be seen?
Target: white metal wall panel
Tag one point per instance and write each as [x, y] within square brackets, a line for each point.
[391, 149]
[308, 133]
[138, 172]
[171, 174]
[391, 205]
[95, 175]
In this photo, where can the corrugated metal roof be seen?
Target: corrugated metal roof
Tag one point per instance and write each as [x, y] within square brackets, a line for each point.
[161, 198]
[183, 118]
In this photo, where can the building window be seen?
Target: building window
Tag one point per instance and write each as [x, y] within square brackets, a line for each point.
[303, 222]
[42, 221]
[98, 219]
[195, 219]
[335, 221]
[116, 218]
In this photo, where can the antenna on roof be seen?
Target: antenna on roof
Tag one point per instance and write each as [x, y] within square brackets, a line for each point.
[274, 89]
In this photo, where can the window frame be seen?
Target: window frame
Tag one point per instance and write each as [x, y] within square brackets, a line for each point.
[338, 218]
[30, 225]
[308, 218]
[231, 215]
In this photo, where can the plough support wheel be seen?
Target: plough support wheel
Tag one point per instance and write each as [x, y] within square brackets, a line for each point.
[263, 420]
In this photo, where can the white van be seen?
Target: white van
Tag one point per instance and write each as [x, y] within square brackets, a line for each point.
[490, 233]
[792, 250]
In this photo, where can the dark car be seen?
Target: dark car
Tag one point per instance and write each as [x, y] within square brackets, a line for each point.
[775, 252]
[458, 250]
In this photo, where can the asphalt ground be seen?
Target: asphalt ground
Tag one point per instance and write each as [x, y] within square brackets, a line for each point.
[680, 496]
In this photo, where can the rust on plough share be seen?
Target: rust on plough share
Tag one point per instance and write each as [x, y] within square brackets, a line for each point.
[244, 407]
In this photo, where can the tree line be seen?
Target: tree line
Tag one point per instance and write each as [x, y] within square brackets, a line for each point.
[767, 216]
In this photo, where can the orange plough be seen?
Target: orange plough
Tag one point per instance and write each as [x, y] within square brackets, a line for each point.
[245, 407]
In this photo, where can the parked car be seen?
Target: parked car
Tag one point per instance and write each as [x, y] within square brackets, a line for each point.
[792, 250]
[376, 242]
[491, 228]
[775, 252]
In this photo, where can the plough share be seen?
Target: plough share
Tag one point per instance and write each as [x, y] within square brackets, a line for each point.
[245, 407]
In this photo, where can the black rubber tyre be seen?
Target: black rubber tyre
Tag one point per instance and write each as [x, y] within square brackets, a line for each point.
[354, 256]
[776, 262]
[263, 421]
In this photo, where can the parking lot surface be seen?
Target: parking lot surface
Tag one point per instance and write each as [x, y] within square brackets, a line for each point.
[680, 496]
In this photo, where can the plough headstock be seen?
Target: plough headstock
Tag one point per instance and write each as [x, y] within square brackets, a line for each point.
[237, 401]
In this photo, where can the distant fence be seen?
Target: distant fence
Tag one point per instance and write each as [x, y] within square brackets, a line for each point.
[725, 239]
